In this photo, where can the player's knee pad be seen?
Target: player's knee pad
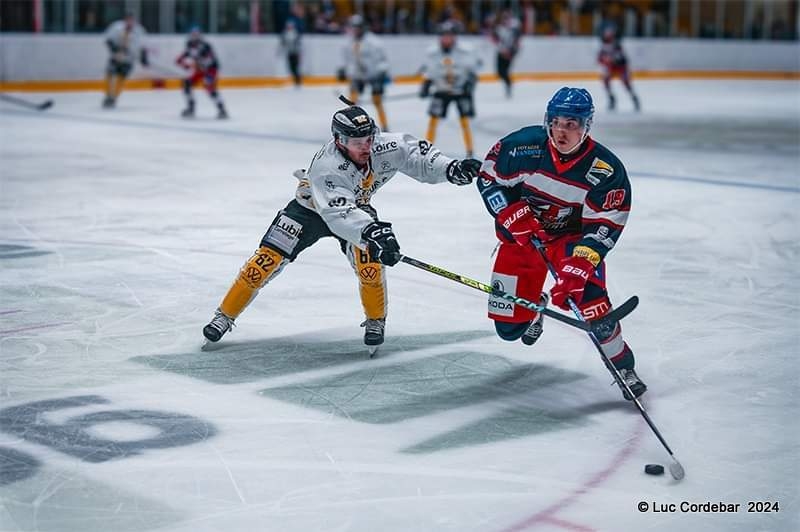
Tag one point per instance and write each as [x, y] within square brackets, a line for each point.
[510, 331]
[371, 280]
[265, 264]
[519, 271]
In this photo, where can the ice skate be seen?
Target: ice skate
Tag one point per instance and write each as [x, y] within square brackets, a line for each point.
[189, 111]
[222, 114]
[612, 102]
[108, 102]
[634, 383]
[373, 334]
[636, 104]
[535, 328]
[217, 327]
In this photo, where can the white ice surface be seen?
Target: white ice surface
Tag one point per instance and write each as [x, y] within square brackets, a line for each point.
[121, 230]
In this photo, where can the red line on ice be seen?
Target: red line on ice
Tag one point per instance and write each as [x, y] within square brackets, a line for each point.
[549, 514]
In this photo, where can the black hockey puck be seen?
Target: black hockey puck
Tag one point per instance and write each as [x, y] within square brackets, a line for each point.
[654, 469]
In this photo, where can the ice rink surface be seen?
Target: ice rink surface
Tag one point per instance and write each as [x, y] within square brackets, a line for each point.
[120, 231]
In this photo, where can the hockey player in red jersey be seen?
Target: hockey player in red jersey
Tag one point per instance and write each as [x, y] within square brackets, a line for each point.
[555, 183]
[614, 63]
[199, 58]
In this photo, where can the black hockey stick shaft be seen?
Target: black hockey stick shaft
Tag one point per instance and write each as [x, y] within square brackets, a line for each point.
[676, 469]
[25, 103]
[580, 324]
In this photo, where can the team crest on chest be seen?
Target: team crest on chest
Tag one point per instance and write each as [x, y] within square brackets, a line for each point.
[599, 171]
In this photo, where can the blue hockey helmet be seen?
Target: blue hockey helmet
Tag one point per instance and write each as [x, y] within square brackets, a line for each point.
[570, 102]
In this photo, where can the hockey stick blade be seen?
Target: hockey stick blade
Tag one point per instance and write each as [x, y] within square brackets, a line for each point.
[25, 103]
[615, 315]
[676, 469]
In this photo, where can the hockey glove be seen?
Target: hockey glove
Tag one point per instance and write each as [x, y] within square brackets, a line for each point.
[144, 58]
[463, 172]
[381, 243]
[516, 223]
[573, 272]
[425, 89]
[341, 75]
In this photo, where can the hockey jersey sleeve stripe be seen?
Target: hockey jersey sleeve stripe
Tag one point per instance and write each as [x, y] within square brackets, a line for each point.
[617, 221]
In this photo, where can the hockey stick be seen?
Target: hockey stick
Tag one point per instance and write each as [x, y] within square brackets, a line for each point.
[675, 468]
[580, 324]
[25, 103]
[589, 326]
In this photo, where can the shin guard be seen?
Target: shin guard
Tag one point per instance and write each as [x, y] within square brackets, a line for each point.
[371, 281]
[259, 269]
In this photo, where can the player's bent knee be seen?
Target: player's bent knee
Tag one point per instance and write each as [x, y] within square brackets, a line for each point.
[265, 264]
[510, 331]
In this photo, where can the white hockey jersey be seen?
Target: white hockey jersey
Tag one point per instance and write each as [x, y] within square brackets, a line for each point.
[364, 58]
[450, 71]
[335, 188]
[128, 43]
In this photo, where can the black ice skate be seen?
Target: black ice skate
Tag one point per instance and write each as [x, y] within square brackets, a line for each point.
[373, 334]
[222, 114]
[189, 111]
[636, 104]
[108, 102]
[612, 102]
[217, 327]
[634, 383]
[535, 328]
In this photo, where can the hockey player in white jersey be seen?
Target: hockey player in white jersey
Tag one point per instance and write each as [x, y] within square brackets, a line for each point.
[450, 73]
[333, 199]
[364, 63]
[124, 39]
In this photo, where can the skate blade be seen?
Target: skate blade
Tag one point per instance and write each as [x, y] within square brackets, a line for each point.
[210, 346]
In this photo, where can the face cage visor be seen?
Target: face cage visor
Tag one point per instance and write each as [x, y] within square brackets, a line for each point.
[569, 123]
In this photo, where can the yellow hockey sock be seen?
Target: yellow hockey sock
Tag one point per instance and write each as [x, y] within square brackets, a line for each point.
[430, 136]
[265, 264]
[465, 130]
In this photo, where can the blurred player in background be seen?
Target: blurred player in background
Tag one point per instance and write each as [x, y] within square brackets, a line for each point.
[555, 183]
[614, 63]
[333, 200]
[199, 58]
[291, 44]
[506, 35]
[450, 73]
[124, 39]
[365, 64]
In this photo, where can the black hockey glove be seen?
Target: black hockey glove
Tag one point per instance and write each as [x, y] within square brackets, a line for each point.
[463, 172]
[381, 243]
[341, 75]
[425, 89]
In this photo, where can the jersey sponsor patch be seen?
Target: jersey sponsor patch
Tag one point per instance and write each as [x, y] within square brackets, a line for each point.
[284, 234]
[587, 253]
[496, 201]
[424, 147]
[599, 171]
[497, 305]
[529, 150]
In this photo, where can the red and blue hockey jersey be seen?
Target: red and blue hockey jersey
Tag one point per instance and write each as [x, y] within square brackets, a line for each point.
[587, 193]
